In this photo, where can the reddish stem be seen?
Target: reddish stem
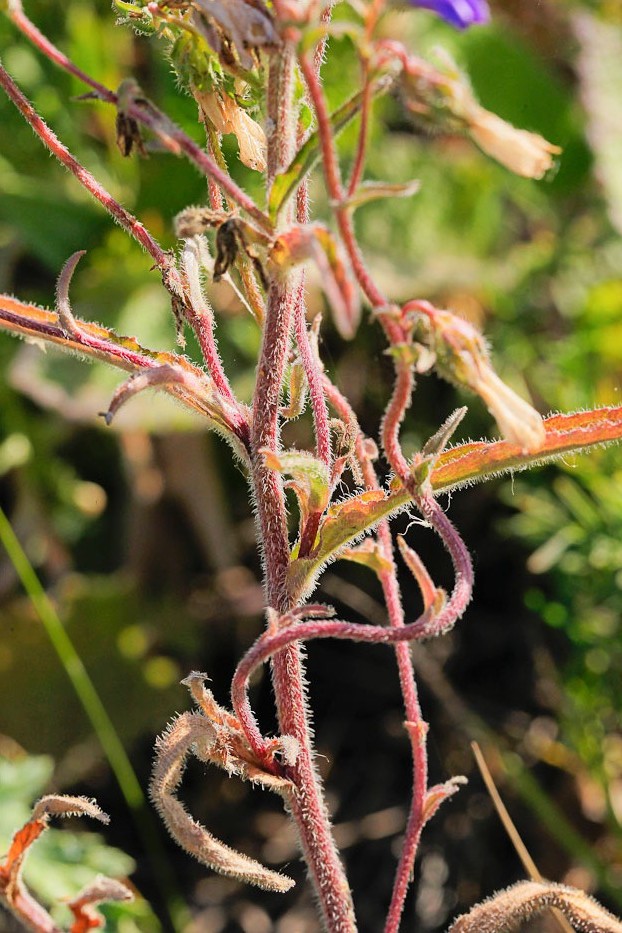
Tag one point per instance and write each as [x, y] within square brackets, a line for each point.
[314, 381]
[394, 415]
[327, 142]
[268, 483]
[417, 728]
[199, 315]
[306, 803]
[361, 148]
[171, 136]
[52, 142]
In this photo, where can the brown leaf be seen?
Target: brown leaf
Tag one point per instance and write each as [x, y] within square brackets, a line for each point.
[508, 909]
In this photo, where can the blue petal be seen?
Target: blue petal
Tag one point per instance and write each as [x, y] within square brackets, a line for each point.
[460, 13]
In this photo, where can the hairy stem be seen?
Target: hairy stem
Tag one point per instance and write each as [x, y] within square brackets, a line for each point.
[52, 142]
[171, 136]
[305, 803]
[417, 728]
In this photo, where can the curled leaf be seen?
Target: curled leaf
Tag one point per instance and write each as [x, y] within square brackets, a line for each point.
[508, 909]
[439, 793]
[91, 340]
[101, 890]
[369, 553]
[13, 892]
[310, 478]
[64, 805]
[213, 735]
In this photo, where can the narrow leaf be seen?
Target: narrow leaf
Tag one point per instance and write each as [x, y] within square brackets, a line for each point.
[374, 190]
[101, 343]
[455, 468]
[508, 909]
[286, 182]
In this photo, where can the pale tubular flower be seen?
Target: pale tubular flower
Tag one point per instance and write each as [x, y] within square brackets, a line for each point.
[462, 357]
[228, 117]
[518, 422]
[444, 98]
[524, 153]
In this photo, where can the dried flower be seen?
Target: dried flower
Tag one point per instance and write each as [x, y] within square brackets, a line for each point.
[460, 13]
[462, 357]
[442, 99]
[228, 117]
[235, 29]
[524, 153]
[518, 422]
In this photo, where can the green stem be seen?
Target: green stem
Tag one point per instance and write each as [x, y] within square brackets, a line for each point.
[97, 715]
[74, 668]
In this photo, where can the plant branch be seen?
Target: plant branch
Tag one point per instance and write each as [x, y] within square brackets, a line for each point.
[161, 258]
[171, 136]
[306, 804]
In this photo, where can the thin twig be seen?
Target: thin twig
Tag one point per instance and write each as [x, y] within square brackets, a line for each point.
[171, 136]
[508, 824]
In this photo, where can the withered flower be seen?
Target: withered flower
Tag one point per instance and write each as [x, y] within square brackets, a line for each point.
[462, 357]
[235, 29]
[228, 117]
[524, 153]
[442, 99]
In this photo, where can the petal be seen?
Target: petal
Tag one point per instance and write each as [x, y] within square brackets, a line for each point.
[460, 13]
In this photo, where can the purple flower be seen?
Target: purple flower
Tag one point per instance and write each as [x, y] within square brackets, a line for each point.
[460, 13]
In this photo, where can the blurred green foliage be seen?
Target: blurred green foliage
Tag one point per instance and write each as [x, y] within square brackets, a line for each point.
[60, 864]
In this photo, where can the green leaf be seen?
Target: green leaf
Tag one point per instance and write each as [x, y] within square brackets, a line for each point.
[286, 182]
[374, 190]
[455, 468]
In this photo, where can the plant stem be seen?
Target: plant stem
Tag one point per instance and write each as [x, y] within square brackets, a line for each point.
[305, 803]
[170, 135]
[48, 137]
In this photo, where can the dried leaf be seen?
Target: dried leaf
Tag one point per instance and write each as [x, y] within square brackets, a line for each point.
[235, 26]
[213, 735]
[508, 909]
[13, 893]
[101, 890]
[439, 793]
